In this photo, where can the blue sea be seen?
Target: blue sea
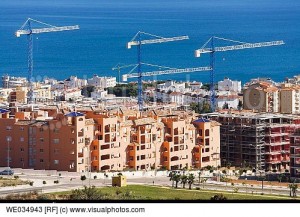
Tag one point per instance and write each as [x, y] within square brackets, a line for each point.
[107, 25]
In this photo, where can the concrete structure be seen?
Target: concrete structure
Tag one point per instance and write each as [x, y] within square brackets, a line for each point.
[295, 155]
[119, 181]
[258, 140]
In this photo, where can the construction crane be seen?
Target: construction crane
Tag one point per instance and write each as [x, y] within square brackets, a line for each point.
[163, 72]
[26, 29]
[120, 66]
[137, 41]
[212, 49]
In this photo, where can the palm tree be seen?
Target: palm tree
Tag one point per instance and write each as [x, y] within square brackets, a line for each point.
[176, 179]
[280, 177]
[199, 175]
[184, 180]
[171, 175]
[203, 181]
[293, 188]
[191, 179]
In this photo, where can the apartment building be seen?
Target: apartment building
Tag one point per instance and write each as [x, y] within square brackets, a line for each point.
[261, 97]
[52, 137]
[290, 99]
[207, 148]
[61, 142]
[258, 140]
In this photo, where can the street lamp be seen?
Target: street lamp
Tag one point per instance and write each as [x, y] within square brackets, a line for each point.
[8, 139]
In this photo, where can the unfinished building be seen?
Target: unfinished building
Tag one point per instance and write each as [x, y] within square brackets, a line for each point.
[261, 141]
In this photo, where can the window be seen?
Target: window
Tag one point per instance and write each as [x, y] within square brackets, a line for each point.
[55, 141]
[22, 128]
[72, 130]
[21, 149]
[8, 127]
[21, 139]
[41, 139]
[41, 160]
[41, 150]
[207, 132]
[56, 151]
[56, 130]
[56, 162]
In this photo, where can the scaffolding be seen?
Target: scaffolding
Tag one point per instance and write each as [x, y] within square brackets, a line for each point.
[260, 141]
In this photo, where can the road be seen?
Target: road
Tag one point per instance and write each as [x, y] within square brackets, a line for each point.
[66, 184]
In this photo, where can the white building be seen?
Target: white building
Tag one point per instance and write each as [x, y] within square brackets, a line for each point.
[102, 82]
[99, 94]
[12, 82]
[229, 85]
[172, 86]
[74, 82]
[195, 86]
[4, 94]
[232, 101]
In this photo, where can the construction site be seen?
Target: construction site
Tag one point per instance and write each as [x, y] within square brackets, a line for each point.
[258, 140]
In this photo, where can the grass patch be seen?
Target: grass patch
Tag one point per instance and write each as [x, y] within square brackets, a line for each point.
[142, 192]
[4, 182]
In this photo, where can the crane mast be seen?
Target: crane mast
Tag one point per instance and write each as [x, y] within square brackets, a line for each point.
[137, 41]
[212, 49]
[26, 29]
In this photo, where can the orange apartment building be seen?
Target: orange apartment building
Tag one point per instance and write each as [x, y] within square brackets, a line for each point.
[56, 143]
[97, 140]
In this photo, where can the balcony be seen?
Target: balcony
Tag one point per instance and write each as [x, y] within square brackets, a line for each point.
[87, 141]
[132, 153]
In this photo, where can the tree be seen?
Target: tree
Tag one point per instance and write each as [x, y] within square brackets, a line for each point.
[293, 189]
[191, 179]
[280, 177]
[171, 175]
[88, 193]
[218, 197]
[203, 181]
[225, 106]
[240, 105]
[199, 175]
[82, 178]
[184, 180]
[177, 179]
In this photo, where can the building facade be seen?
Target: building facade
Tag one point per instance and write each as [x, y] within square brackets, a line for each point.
[99, 140]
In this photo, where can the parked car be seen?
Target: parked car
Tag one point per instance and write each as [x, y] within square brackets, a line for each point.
[7, 172]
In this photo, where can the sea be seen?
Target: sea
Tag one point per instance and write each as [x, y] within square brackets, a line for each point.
[107, 25]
